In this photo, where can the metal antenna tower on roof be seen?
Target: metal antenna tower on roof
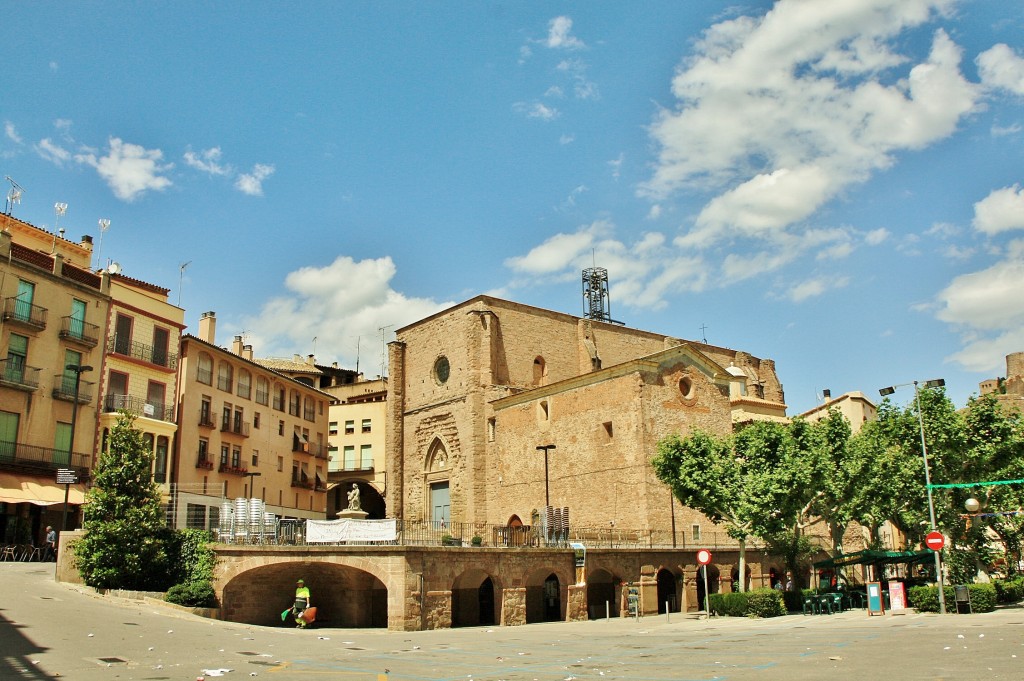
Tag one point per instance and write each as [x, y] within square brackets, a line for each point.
[596, 301]
[14, 195]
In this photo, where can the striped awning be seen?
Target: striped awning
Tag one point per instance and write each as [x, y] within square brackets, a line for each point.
[21, 489]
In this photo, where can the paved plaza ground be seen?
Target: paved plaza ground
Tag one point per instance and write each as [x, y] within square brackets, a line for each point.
[50, 630]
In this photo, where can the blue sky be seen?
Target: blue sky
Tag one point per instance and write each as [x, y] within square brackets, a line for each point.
[836, 186]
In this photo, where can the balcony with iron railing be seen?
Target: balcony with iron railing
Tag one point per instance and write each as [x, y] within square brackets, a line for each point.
[138, 406]
[204, 461]
[232, 470]
[24, 313]
[308, 483]
[126, 347]
[79, 331]
[64, 389]
[206, 419]
[46, 458]
[235, 426]
[14, 373]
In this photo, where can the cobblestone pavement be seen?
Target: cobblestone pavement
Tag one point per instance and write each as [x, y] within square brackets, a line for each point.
[50, 630]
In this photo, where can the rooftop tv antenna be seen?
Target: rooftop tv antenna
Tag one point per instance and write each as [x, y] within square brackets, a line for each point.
[104, 226]
[14, 194]
[597, 303]
[383, 349]
[58, 210]
[703, 336]
[181, 276]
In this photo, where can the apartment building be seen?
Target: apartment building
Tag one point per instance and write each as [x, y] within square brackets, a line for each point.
[54, 311]
[356, 444]
[245, 430]
[140, 365]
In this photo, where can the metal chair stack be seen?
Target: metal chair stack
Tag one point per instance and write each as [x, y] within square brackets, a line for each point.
[224, 531]
[256, 510]
[241, 524]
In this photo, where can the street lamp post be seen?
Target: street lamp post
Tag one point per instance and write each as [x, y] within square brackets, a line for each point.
[79, 370]
[545, 448]
[936, 383]
[251, 475]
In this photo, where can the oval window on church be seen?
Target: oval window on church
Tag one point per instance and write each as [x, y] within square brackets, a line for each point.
[441, 370]
[686, 388]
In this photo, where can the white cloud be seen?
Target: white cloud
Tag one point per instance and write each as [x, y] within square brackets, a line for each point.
[129, 169]
[537, 110]
[655, 212]
[557, 252]
[52, 152]
[1000, 67]
[779, 114]
[815, 287]
[616, 165]
[566, 139]
[11, 132]
[560, 35]
[1000, 211]
[337, 304]
[989, 310]
[876, 236]
[208, 161]
[252, 183]
[1003, 131]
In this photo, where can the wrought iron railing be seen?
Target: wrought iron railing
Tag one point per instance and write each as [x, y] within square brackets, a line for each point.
[23, 312]
[14, 372]
[74, 329]
[64, 389]
[120, 345]
[43, 457]
[138, 406]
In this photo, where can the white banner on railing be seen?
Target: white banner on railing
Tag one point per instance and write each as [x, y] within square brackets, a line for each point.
[350, 530]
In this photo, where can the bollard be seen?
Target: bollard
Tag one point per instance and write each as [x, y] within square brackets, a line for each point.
[607, 611]
[668, 614]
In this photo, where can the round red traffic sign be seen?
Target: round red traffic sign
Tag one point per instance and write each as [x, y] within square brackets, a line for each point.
[703, 556]
[935, 541]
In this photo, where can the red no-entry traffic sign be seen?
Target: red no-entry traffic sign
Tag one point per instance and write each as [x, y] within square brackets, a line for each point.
[935, 541]
[703, 556]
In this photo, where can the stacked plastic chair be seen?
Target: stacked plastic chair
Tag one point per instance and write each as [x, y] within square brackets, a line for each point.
[241, 524]
[269, 528]
[224, 531]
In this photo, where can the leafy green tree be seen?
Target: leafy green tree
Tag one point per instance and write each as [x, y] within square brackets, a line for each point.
[123, 546]
[744, 481]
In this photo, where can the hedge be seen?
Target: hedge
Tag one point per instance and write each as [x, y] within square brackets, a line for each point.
[926, 598]
[757, 603]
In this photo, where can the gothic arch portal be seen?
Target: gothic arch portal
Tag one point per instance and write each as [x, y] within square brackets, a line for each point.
[436, 476]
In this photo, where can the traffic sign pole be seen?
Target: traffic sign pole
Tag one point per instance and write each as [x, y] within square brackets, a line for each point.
[704, 558]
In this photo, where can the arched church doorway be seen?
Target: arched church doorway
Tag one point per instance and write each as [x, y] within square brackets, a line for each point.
[667, 596]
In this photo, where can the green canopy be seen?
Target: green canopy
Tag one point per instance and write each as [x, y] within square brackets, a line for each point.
[868, 557]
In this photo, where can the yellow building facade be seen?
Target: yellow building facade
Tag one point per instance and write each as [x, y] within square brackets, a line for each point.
[54, 311]
[245, 431]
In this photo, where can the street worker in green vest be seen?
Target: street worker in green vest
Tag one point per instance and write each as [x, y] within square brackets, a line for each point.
[302, 602]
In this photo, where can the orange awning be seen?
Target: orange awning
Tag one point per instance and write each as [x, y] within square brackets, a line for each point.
[19, 489]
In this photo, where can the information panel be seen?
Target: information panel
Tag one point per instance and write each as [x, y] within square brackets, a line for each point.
[876, 606]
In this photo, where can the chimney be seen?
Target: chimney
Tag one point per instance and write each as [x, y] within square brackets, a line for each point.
[247, 352]
[236, 346]
[297, 358]
[310, 360]
[208, 327]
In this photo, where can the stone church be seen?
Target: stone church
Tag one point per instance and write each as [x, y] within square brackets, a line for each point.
[498, 410]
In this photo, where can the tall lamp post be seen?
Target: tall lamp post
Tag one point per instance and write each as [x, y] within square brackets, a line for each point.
[79, 370]
[936, 383]
[251, 476]
[545, 448]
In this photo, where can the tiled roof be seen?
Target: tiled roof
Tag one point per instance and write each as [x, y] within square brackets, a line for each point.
[287, 365]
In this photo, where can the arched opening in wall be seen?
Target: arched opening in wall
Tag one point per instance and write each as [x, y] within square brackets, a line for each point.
[370, 500]
[668, 597]
[713, 576]
[343, 596]
[473, 600]
[735, 576]
[540, 371]
[543, 597]
[438, 492]
[602, 599]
